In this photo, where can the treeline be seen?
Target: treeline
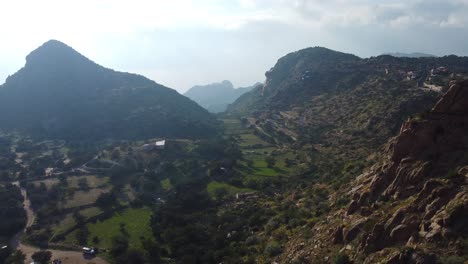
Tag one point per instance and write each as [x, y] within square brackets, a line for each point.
[11, 210]
[12, 215]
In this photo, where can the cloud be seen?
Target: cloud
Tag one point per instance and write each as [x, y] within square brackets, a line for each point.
[183, 42]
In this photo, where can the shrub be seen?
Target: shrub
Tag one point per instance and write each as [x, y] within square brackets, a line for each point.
[273, 249]
[452, 260]
[341, 259]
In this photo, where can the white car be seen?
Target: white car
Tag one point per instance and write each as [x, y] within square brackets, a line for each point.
[89, 250]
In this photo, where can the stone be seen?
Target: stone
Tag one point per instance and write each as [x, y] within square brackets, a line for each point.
[354, 230]
[402, 233]
[338, 235]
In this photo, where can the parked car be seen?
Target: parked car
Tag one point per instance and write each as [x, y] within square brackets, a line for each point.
[89, 251]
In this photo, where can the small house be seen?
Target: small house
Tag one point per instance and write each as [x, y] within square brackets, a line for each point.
[161, 144]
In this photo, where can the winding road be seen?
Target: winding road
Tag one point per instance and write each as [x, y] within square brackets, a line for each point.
[67, 257]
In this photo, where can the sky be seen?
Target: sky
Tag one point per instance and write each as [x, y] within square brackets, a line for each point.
[182, 43]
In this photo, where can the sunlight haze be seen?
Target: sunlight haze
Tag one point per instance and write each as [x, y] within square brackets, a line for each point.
[185, 43]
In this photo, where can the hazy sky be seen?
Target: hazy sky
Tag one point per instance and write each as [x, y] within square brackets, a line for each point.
[181, 43]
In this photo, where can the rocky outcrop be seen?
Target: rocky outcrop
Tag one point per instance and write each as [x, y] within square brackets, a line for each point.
[353, 230]
[455, 101]
[413, 206]
[424, 180]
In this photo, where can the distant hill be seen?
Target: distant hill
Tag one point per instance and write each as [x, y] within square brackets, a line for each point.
[59, 93]
[410, 55]
[216, 97]
[340, 107]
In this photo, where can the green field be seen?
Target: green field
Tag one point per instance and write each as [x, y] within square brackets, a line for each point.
[80, 198]
[92, 181]
[215, 186]
[166, 184]
[250, 139]
[69, 221]
[136, 221]
[233, 126]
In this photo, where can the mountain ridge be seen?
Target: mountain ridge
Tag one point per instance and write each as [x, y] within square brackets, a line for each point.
[411, 206]
[59, 91]
[215, 97]
[340, 107]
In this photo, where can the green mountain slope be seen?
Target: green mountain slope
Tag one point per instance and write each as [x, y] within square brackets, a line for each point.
[411, 206]
[341, 108]
[59, 93]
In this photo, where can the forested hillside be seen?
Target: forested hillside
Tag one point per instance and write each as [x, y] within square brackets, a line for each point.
[61, 94]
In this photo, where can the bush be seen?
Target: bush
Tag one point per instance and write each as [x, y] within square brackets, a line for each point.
[452, 260]
[341, 259]
[273, 249]
[43, 257]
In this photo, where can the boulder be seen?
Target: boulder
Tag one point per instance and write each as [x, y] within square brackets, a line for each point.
[354, 230]
[455, 101]
[402, 233]
[338, 235]
[352, 207]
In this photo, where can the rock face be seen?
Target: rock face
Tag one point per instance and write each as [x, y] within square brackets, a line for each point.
[411, 207]
[424, 179]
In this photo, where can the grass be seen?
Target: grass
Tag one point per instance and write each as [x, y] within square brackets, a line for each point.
[260, 168]
[67, 223]
[250, 139]
[136, 221]
[233, 126]
[48, 183]
[215, 186]
[90, 212]
[269, 172]
[84, 197]
[92, 180]
[166, 184]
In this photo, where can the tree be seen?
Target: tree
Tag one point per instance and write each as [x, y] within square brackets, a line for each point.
[220, 193]
[83, 184]
[96, 240]
[106, 200]
[82, 235]
[115, 155]
[132, 256]
[18, 257]
[43, 257]
[119, 245]
[270, 161]
[153, 249]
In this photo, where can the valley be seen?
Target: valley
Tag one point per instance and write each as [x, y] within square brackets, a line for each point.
[333, 159]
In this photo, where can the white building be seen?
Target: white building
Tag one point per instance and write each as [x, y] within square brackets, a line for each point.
[161, 144]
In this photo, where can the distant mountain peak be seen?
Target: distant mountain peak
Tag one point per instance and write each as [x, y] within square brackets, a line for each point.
[227, 83]
[215, 97]
[54, 52]
[60, 93]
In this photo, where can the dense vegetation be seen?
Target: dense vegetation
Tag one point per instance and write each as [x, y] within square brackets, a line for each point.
[61, 94]
[12, 215]
[254, 190]
[340, 108]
